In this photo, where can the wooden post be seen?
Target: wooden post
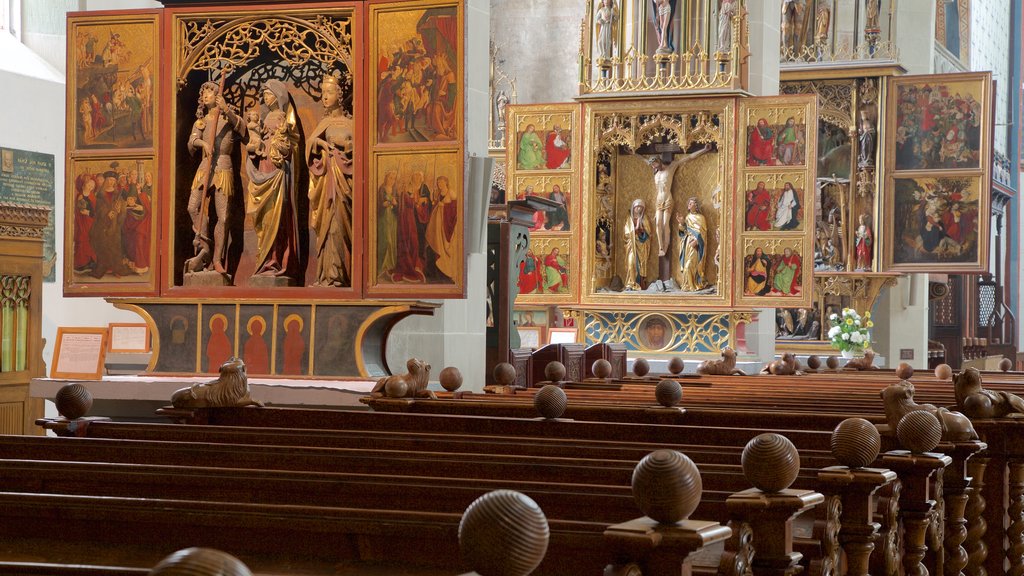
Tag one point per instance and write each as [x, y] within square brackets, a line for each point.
[915, 471]
[660, 549]
[956, 493]
[858, 530]
[974, 543]
[770, 517]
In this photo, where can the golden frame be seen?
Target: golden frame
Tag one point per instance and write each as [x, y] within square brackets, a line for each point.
[979, 83]
[776, 110]
[375, 15]
[112, 55]
[541, 244]
[115, 326]
[121, 285]
[774, 245]
[551, 339]
[94, 340]
[445, 163]
[621, 131]
[547, 116]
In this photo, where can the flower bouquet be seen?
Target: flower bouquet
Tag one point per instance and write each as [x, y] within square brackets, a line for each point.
[849, 332]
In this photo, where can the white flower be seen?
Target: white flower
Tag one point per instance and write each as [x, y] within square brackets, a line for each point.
[833, 331]
[856, 322]
[846, 336]
[834, 317]
[856, 338]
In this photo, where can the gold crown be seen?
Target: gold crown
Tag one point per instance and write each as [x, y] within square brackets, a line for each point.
[331, 78]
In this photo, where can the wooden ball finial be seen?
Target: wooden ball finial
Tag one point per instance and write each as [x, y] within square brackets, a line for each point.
[550, 402]
[1006, 364]
[813, 362]
[668, 393]
[73, 401]
[770, 462]
[919, 431]
[667, 486]
[904, 371]
[601, 368]
[943, 372]
[504, 374]
[676, 365]
[832, 362]
[641, 367]
[200, 562]
[855, 443]
[554, 371]
[451, 378]
[503, 533]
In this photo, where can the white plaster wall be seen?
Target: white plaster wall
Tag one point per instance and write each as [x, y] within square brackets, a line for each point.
[990, 48]
[901, 321]
[539, 44]
[915, 35]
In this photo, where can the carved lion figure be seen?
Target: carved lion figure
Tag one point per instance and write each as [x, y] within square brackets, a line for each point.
[724, 367]
[231, 388]
[865, 363]
[412, 384]
[899, 401]
[786, 366]
[978, 402]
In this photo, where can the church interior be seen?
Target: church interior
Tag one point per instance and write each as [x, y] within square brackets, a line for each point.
[511, 287]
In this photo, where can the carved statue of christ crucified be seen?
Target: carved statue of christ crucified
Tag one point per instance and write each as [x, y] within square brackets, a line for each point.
[663, 176]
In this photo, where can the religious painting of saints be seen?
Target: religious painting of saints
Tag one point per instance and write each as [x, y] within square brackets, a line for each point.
[776, 136]
[219, 337]
[940, 122]
[797, 324]
[775, 202]
[293, 342]
[110, 226]
[256, 338]
[416, 93]
[335, 330]
[545, 275]
[177, 332]
[113, 81]
[543, 137]
[937, 224]
[773, 270]
[416, 225]
[555, 188]
[531, 317]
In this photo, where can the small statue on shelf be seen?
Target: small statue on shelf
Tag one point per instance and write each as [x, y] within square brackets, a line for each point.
[606, 20]
[636, 238]
[215, 133]
[867, 138]
[726, 11]
[865, 243]
[822, 22]
[790, 30]
[663, 24]
[871, 10]
[693, 249]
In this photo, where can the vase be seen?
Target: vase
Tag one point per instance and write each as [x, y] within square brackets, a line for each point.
[853, 353]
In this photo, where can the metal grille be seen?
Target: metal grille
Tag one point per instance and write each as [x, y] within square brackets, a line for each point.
[944, 309]
[986, 305]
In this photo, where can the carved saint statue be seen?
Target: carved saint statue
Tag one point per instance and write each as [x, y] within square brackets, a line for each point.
[636, 238]
[865, 243]
[867, 138]
[822, 21]
[790, 29]
[500, 102]
[662, 17]
[329, 157]
[693, 250]
[663, 176]
[272, 187]
[725, 14]
[871, 10]
[215, 133]
[606, 20]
